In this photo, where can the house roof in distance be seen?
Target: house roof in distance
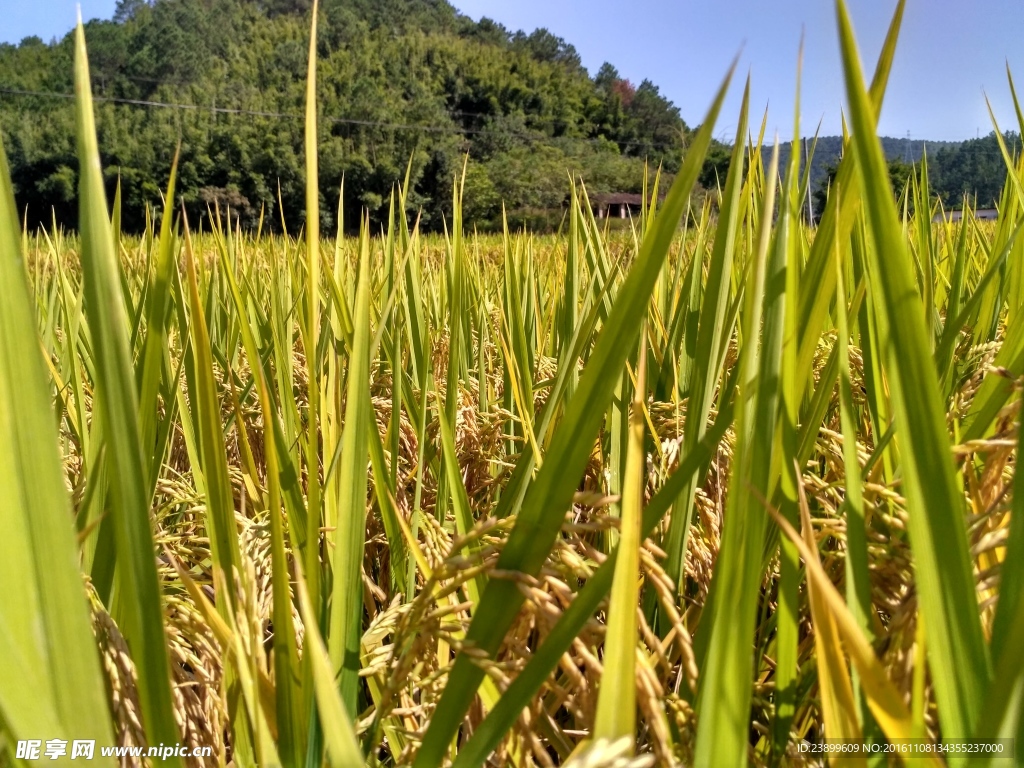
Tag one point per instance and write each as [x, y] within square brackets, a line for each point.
[981, 214]
[618, 198]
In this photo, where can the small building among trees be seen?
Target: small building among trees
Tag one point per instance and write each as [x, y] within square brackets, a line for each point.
[617, 205]
[980, 214]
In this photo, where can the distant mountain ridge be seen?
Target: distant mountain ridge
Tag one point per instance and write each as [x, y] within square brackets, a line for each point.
[973, 167]
[828, 150]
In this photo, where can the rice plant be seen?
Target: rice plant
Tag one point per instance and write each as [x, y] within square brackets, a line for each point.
[705, 491]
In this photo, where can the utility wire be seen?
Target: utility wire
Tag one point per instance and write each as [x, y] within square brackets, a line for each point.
[326, 118]
[371, 123]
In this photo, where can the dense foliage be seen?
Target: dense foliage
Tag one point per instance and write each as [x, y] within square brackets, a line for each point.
[399, 80]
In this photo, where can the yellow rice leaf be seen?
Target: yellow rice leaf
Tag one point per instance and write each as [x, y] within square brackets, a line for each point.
[837, 701]
[885, 701]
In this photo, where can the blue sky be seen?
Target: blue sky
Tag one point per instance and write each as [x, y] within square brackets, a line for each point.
[949, 52]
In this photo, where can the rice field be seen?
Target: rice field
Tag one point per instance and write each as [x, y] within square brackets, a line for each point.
[706, 491]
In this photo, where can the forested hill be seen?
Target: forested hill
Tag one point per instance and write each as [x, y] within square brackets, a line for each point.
[828, 149]
[974, 167]
[398, 79]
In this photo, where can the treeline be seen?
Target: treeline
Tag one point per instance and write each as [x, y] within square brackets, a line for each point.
[400, 82]
[972, 168]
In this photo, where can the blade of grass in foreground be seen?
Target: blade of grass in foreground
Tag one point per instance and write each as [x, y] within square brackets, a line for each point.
[342, 746]
[551, 493]
[156, 326]
[787, 634]
[142, 621]
[349, 537]
[959, 659]
[311, 329]
[51, 675]
[839, 711]
[858, 584]
[220, 509]
[616, 701]
[219, 518]
[712, 328]
[726, 682]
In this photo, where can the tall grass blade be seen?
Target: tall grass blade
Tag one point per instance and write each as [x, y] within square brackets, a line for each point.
[52, 683]
[342, 746]
[616, 702]
[349, 537]
[726, 681]
[142, 621]
[958, 656]
[712, 332]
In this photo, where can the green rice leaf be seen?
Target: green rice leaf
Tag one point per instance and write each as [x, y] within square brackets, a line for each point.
[142, 620]
[51, 684]
[958, 656]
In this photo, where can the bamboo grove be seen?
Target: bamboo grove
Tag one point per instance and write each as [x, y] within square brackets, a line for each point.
[695, 493]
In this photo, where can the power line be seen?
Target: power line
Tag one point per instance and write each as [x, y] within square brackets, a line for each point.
[326, 118]
[231, 111]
